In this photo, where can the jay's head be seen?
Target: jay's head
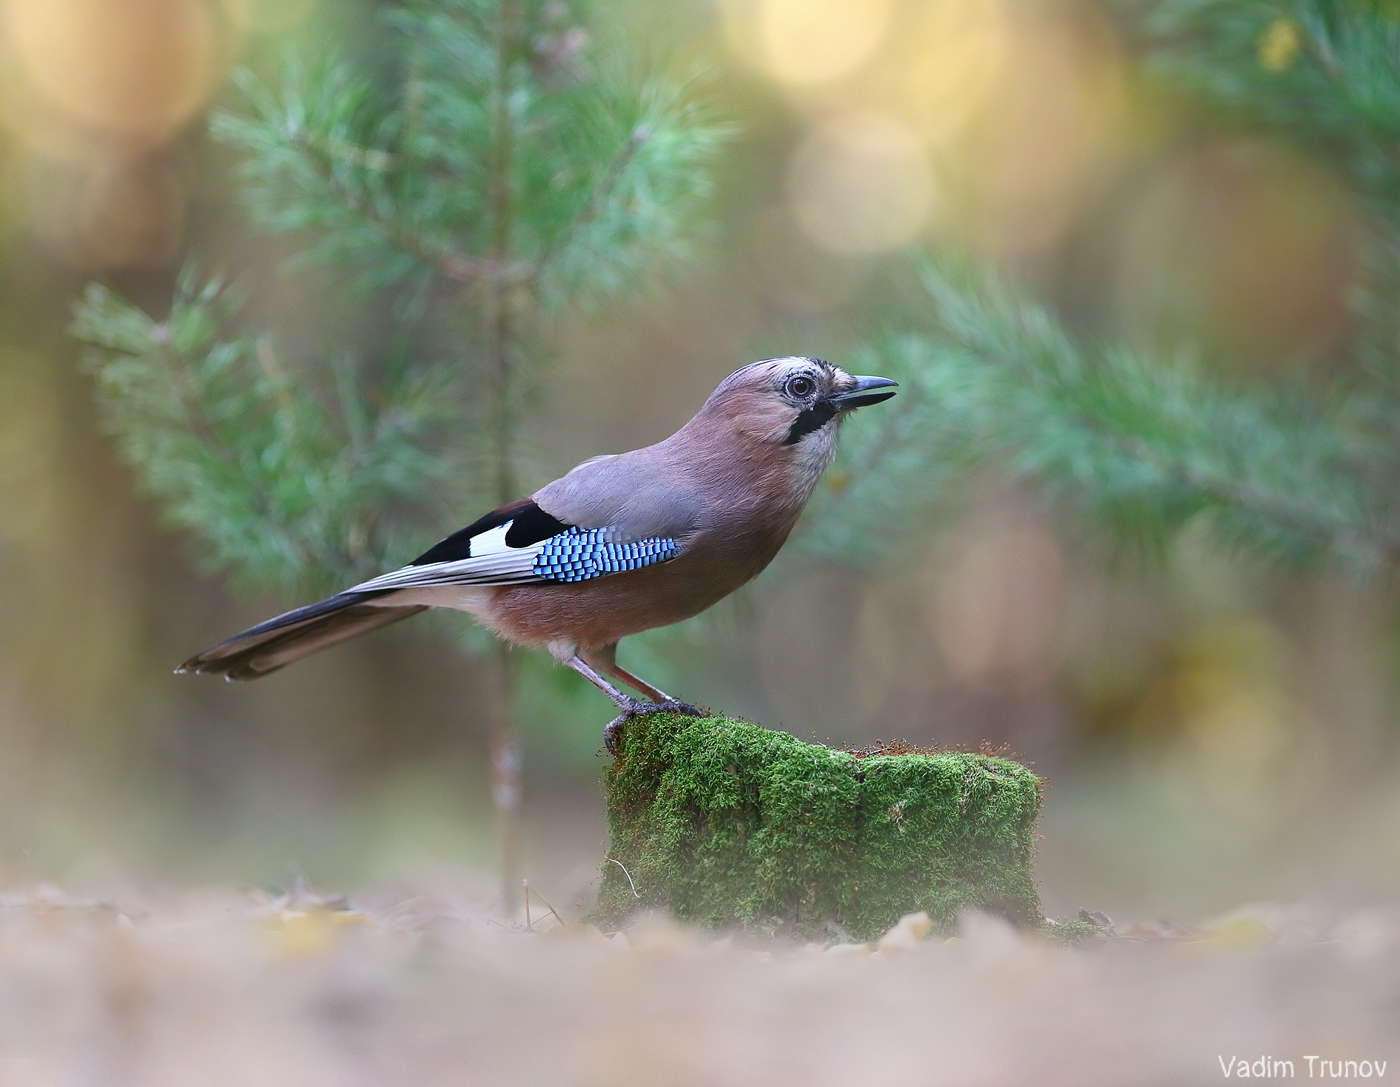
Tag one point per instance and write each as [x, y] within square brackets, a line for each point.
[793, 403]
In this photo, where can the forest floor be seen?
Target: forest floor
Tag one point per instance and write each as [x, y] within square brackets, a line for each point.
[230, 987]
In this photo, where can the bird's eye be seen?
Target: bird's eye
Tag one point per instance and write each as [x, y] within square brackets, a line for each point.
[799, 388]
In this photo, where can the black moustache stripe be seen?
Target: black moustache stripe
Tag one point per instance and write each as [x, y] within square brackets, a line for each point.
[813, 418]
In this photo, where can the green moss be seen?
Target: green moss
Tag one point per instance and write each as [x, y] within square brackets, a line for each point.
[1068, 933]
[727, 824]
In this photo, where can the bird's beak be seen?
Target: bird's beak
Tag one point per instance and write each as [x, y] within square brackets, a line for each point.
[867, 390]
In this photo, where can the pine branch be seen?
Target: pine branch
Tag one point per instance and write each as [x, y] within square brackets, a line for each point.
[604, 189]
[307, 170]
[1149, 446]
[446, 261]
[640, 210]
[606, 180]
[1284, 472]
[280, 489]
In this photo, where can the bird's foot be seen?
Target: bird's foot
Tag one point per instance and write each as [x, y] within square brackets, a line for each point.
[672, 705]
[636, 708]
[632, 707]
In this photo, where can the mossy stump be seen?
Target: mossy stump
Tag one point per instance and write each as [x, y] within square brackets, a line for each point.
[729, 825]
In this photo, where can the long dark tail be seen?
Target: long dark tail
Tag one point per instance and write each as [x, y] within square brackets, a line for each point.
[287, 638]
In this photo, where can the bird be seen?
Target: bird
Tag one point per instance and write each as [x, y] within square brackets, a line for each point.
[622, 543]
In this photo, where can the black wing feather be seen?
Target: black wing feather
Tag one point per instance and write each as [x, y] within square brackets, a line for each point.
[528, 524]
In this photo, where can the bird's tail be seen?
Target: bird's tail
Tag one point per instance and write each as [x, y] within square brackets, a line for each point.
[287, 638]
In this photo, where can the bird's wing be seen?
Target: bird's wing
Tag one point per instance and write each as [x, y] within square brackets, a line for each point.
[638, 495]
[521, 544]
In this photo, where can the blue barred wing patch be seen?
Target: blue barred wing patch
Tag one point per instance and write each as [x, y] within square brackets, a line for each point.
[584, 553]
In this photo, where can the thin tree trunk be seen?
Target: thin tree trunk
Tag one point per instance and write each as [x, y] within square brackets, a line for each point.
[506, 779]
[506, 784]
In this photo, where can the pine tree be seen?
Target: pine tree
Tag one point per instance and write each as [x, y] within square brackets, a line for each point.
[1150, 443]
[491, 171]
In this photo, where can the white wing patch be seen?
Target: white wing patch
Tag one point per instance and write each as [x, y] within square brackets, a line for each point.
[492, 562]
[492, 542]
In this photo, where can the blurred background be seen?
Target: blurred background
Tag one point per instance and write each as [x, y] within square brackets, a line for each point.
[1213, 729]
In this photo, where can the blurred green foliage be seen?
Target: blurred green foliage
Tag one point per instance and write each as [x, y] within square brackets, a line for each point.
[285, 489]
[1144, 440]
[1149, 445]
[492, 174]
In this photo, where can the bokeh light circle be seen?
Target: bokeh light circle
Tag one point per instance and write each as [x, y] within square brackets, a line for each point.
[861, 185]
[806, 42]
[138, 69]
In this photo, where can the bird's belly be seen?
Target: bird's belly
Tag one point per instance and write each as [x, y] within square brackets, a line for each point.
[599, 612]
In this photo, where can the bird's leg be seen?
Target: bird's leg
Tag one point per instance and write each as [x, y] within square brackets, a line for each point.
[606, 658]
[629, 706]
[620, 700]
[656, 694]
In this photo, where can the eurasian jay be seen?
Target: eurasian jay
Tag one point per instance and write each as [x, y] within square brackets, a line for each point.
[621, 544]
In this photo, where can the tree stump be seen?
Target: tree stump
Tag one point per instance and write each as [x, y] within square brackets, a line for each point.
[729, 825]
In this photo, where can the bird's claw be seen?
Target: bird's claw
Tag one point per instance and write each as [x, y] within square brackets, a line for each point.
[671, 705]
[635, 708]
[612, 731]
